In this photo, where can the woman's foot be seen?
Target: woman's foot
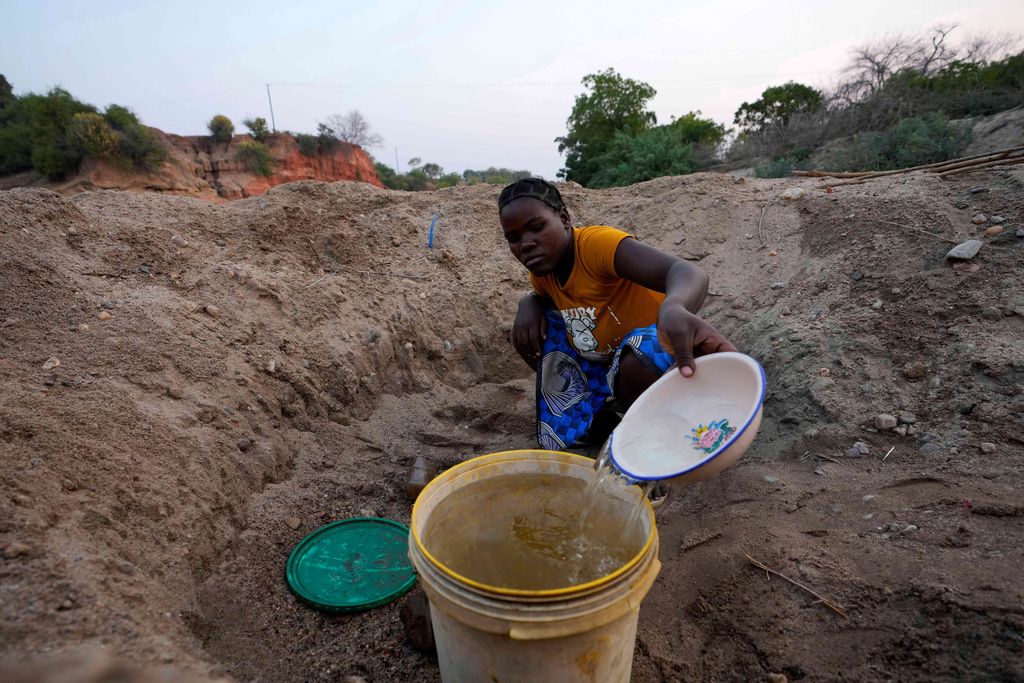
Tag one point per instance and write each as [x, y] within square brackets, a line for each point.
[659, 494]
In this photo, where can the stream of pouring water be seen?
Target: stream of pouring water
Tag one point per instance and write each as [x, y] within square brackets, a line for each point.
[604, 482]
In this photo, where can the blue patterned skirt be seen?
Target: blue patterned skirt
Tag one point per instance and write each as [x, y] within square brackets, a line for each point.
[572, 389]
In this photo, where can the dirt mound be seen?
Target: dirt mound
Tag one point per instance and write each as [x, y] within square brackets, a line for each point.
[186, 382]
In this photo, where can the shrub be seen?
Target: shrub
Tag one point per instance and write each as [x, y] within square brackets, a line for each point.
[779, 167]
[88, 134]
[653, 153]
[256, 157]
[257, 127]
[309, 145]
[15, 149]
[141, 146]
[911, 142]
[221, 128]
[120, 118]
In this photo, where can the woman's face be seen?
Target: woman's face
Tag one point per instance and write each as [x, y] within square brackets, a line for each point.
[536, 234]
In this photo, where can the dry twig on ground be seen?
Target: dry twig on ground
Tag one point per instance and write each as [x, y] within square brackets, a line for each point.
[823, 600]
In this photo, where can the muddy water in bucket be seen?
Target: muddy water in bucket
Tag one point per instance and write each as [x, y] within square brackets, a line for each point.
[531, 572]
[550, 531]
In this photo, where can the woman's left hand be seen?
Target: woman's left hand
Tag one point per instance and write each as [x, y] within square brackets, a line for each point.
[686, 336]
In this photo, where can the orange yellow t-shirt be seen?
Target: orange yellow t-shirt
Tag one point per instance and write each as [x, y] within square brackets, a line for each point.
[598, 306]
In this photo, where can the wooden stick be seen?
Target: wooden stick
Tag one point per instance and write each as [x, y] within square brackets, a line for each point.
[760, 236]
[887, 454]
[985, 156]
[1001, 162]
[702, 541]
[908, 227]
[825, 601]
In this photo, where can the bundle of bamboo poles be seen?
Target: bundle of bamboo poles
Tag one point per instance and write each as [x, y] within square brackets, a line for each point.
[1005, 157]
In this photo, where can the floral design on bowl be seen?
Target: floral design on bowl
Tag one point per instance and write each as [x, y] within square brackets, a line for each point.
[709, 437]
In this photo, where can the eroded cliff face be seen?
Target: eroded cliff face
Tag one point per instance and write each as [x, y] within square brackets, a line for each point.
[232, 178]
[197, 167]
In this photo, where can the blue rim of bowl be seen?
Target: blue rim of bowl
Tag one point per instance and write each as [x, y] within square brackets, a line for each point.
[705, 461]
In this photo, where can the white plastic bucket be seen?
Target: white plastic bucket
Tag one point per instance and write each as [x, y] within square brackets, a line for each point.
[487, 633]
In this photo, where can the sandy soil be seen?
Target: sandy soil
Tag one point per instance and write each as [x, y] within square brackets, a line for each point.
[227, 369]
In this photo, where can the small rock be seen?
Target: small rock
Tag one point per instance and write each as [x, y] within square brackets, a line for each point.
[778, 285]
[978, 190]
[862, 448]
[770, 479]
[965, 250]
[407, 346]
[423, 295]
[997, 219]
[174, 391]
[447, 346]
[932, 449]
[415, 617]
[877, 305]
[773, 253]
[104, 315]
[979, 218]
[144, 269]
[367, 512]
[961, 204]
[895, 290]
[907, 418]
[853, 453]
[15, 549]
[179, 241]
[991, 313]
[792, 193]
[1020, 232]
[914, 371]
[244, 444]
[885, 422]
[909, 528]
[988, 447]
[867, 498]
[824, 372]
[354, 679]
[272, 367]
[211, 310]
[928, 437]
[777, 678]
[857, 276]
[395, 241]
[371, 336]
[51, 363]
[72, 231]
[221, 243]
[901, 431]
[993, 231]
[66, 605]
[749, 235]
[293, 522]
[934, 383]
[107, 305]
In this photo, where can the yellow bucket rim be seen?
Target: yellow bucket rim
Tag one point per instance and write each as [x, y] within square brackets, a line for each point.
[517, 592]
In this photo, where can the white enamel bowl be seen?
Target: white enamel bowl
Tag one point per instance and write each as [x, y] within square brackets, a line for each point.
[687, 429]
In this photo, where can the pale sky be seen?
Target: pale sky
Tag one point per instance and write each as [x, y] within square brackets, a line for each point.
[465, 84]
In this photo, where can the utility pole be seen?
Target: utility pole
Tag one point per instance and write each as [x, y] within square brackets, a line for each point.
[397, 170]
[273, 125]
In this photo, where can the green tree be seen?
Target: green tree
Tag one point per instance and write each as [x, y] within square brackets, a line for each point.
[6, 92]
[432, 170]
[257, 128]
[89, 134]
[50, 116]
[221, 128]
[776, 106]
[652, 153]
[448, 180]
[693, 129]
[612, 105]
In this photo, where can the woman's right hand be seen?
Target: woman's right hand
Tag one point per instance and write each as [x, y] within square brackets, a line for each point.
[530, 329]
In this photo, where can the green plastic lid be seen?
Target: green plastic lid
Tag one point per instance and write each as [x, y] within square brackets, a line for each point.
[352, 565]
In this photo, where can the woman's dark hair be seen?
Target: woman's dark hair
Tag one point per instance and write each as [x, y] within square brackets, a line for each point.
[537, 188]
